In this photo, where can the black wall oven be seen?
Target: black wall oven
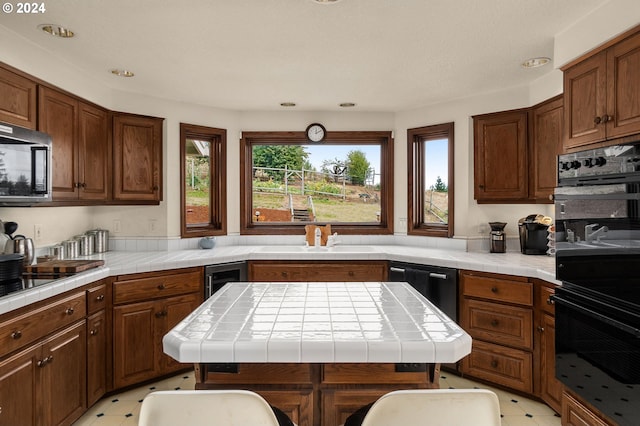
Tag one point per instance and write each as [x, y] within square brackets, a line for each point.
[598, 261]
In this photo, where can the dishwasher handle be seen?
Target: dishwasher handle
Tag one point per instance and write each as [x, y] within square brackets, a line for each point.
[439, 276]
[394, 269]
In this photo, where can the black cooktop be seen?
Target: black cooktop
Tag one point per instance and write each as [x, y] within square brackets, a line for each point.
[26, 282]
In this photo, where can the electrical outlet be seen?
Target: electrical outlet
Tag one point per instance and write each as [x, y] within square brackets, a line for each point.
[116, 226]
[37, 232]
[152, 225]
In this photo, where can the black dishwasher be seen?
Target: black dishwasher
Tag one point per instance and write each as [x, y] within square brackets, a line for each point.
[439, 285]
[216, 276]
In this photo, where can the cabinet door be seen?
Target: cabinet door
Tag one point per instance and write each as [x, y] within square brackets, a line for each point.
[173, 310]
[137, 151]
[623, 88]
[64, 376]
[18, 387]
[551, 388]
[134, 346]
[58, 116]
[93, 154]
[545, 144]
[500, 153]
[17, 99]
[585, 100]
[96, 357]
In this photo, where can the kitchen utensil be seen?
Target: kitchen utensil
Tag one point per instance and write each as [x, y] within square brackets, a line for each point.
[63, 266]
[498, 238]
[10, 228]
[21, 245]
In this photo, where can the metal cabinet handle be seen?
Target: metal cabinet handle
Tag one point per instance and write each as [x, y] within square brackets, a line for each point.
[436, 275]
[541, 329]
[161, 314]
[16, 335]
[495, 322]
[606, 118]
[41, 363]
[100, 298]
[550, 301]
[494, 289]
[69, 311]
[93, 332]
[494, 363]
[597, 120]
[161, 287]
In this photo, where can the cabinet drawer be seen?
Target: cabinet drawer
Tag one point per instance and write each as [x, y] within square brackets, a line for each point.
[502, 324]
[96, 298]
[370, 373]
[498, 289]
[31, 326]
[500, 365]
[259, 373]
[318, 271]
[544, 300]
[152, 287]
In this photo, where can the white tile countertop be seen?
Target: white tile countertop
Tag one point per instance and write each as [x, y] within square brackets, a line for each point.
[317, 323]
[127, 262]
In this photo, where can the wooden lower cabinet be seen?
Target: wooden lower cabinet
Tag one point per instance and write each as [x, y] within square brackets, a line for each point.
[137, 338]
[550, 388]
[318, 271]
[316, 394]
[46, 383]
[146, 307]
[96, 357]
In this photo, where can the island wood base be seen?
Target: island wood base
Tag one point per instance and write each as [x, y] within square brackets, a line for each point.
[318, 394]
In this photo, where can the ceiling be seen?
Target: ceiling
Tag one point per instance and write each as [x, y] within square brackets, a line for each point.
[248, 55]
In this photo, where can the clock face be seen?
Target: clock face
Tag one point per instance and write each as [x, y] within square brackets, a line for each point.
[316, 132]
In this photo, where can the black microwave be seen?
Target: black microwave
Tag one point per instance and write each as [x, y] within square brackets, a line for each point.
[25, 166]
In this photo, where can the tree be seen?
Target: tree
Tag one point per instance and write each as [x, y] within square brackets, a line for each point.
[440, 186]
[279, 156]
[358, 166]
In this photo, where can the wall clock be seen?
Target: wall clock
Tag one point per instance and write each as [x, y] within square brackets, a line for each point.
[316, 132]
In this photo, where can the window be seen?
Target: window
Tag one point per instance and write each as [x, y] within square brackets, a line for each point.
[203, 176]
[430, 185]
[288, 182]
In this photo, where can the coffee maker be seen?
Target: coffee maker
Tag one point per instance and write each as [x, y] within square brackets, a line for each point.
[497, 237]
[534, 230]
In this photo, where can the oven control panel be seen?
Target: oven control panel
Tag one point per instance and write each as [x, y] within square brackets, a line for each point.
[594, 164]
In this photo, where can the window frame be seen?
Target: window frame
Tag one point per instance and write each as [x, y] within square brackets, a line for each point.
[383, 138]
[217, 139]
[416, 185]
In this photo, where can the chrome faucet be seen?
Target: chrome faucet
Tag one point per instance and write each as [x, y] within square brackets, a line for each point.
[590, 234]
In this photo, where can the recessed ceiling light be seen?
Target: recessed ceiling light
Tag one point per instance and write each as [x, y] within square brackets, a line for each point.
[287, 104]
[536, 62]
[122, 73]
[56, 30]
[325, 1]
[347, 104]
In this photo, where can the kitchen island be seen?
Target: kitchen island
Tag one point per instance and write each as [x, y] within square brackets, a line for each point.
[317, 350]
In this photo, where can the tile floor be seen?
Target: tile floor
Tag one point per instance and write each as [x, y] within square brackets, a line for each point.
[123, 409]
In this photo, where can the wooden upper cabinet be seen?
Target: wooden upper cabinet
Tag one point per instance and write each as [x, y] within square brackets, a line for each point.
[500, 154]
[94, 153]
[137, 152]
[58, 116]
[601, 95]
[80, 135]
[545, 144]
[623, 87]
[17, 99]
